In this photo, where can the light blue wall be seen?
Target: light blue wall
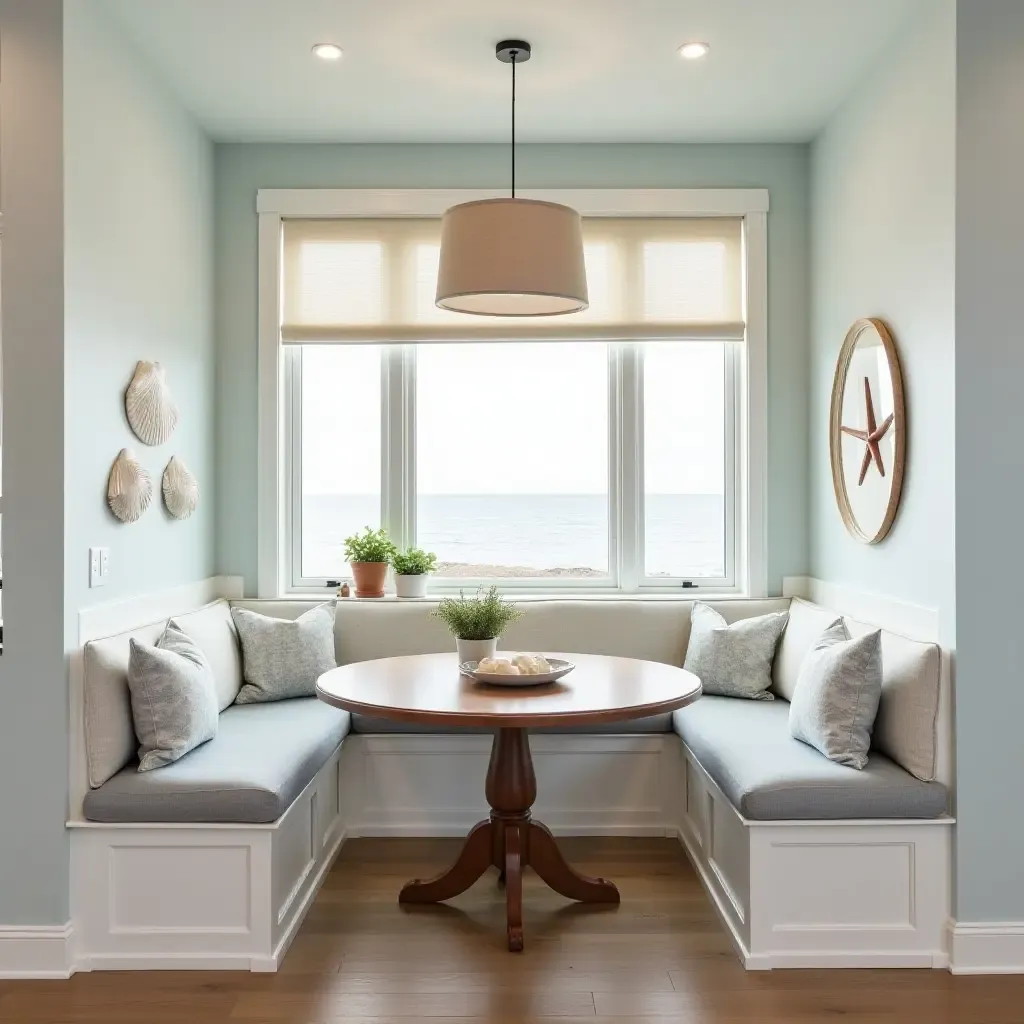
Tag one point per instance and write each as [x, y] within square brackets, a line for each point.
[139, 285]
[33, 678]
[989, 461]
[108, 257]
[883, 245]
[242, 169]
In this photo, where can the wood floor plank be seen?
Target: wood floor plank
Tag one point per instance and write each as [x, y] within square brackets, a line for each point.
[660, 957]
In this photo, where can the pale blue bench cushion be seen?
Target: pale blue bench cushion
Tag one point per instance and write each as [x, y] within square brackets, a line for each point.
[261, 759]
[746, 748]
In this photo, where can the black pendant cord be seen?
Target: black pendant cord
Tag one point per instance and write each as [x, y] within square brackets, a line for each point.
[514, 125]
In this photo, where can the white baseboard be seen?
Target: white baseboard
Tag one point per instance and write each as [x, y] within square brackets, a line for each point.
[987, 947]
[36, 951]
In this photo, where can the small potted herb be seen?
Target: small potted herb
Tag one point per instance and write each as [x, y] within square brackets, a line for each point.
[369, 553]
[477, 622]
[412, 567]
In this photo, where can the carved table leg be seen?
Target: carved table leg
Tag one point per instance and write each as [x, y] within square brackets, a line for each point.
[510, 841]
[514, 887]
[547, 860]
[474, 859]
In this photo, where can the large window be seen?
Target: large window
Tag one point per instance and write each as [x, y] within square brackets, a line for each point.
[533, 463]
[603, 451]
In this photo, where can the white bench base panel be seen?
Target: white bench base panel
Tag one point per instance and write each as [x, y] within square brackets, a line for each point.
[196, 897]
[819, 894]
[792, 894]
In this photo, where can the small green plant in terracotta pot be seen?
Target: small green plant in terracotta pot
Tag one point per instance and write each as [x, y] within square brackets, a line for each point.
[369, 553]
[477, 622]
[412, 569]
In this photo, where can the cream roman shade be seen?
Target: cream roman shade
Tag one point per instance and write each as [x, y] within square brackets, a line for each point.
[361, 280]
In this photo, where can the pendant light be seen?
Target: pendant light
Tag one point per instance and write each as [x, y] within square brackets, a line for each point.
[512, 257]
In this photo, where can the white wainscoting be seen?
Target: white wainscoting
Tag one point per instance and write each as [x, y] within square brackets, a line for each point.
[433, 785]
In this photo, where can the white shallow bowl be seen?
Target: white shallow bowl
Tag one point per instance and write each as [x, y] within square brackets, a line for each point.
[559, 668]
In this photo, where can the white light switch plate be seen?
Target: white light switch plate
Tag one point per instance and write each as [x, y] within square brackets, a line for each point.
[99, 566]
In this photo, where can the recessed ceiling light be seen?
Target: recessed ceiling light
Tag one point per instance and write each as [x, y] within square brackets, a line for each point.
[693, 51]
[328, 51]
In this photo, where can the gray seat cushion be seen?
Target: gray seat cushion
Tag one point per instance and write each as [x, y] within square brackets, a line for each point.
[639, 726]
[262, 757]
[746, 747]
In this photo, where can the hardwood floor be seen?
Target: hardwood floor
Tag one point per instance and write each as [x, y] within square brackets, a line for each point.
[659, 957]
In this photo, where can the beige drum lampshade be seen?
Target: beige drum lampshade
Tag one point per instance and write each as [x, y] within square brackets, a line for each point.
[512, 257]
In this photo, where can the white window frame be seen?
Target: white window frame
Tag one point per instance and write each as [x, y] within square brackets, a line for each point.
[279, 475]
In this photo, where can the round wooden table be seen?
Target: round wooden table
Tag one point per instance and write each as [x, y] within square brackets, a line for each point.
[428, 689]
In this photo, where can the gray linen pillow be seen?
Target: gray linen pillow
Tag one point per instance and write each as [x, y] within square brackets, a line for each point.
[837, 694]
[733, 660]
[283, 658]
[174, 698]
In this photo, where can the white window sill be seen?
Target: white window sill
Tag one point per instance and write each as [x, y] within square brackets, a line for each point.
[688, 595]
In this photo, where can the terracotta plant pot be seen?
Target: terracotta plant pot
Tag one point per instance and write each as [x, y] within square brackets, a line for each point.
[369, 578]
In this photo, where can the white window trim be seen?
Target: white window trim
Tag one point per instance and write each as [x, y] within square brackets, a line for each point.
[273, 529]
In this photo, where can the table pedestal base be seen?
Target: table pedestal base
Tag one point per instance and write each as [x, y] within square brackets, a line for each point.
[510, 841]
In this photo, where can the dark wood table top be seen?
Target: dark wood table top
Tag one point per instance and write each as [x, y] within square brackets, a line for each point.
[428, 689]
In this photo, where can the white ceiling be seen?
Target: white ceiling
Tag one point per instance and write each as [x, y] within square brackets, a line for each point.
[424, 70]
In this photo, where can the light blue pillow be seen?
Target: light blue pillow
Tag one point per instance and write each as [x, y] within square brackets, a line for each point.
[733, 660]
[837, 693]
[174, 698]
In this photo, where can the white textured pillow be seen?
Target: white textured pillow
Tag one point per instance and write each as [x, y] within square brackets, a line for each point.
[837, 693]
[174, 698]
[733, 660]
[283, 658]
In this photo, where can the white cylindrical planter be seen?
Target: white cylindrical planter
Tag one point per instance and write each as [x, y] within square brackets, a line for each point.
[411, 586]
[476, 650]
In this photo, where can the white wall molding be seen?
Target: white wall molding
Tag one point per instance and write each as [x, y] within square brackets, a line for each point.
[36, 951]
[918, 622]
[987, 947]
[131, 612]
[274, 204]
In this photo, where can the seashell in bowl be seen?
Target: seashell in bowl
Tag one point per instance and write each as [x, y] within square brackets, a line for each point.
[151, 411]
[129, 487]
[181, 489]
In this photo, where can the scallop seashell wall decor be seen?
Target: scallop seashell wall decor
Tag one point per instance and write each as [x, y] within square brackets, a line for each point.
[129, 487]
[181, 489]
[148, 403]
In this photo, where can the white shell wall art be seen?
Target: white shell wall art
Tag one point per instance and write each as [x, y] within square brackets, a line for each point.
[148, 403]
[181, 489]
[129, 488]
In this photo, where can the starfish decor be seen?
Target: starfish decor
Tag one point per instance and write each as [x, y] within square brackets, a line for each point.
[871, 437]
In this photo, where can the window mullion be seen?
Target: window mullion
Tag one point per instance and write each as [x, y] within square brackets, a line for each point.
[630, 465]
[293, 477]
[393, 483]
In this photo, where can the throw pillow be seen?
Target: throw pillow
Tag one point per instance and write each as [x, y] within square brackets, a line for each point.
[283, 658]
[837, 693]
[733, 660]
[174, 698]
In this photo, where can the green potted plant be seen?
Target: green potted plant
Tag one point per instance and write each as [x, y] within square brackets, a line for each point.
[369, 553]
[477, 622]
[411, 568]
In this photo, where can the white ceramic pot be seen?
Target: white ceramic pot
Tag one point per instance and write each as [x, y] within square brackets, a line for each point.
[411, 586]
[476, 650]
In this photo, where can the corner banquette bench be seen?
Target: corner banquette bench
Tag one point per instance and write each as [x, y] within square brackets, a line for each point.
[213, 860]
